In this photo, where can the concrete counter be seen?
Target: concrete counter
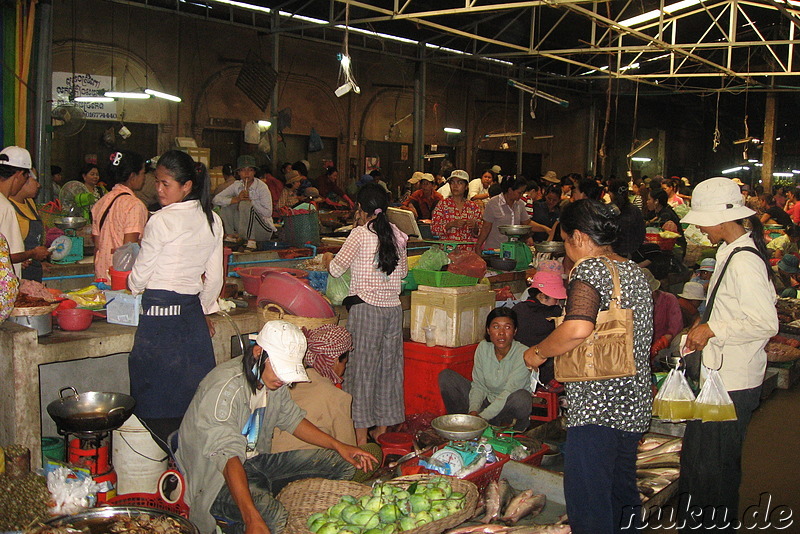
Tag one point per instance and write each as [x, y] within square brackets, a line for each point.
[21, 354]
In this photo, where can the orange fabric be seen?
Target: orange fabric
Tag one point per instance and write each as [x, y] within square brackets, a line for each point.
[128, 215]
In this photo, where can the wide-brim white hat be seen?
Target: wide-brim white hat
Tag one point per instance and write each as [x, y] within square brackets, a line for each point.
[693, 291]
[715, 201]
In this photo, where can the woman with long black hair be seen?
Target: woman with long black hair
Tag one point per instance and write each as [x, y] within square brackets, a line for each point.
[180, 271]
[375, 253]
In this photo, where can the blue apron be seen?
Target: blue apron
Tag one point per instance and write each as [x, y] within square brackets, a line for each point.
[171, 354]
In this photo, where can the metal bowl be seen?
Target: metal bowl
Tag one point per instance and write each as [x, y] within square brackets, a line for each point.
[550, 247]
[99, 520]
[459, 427]
[514, 229]
[503, 264]
[91, 411]
[70, 223]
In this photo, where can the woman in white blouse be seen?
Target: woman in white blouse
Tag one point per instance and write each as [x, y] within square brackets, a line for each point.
[180, 271]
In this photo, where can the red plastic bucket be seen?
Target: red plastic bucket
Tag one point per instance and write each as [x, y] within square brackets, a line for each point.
[119, 279]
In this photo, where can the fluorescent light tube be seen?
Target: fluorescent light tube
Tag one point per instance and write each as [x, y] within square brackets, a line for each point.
[643, 160]
[264, 124]
[165, 96]
[732, 169]
[93, 99]
[123, 94]
[453, 130]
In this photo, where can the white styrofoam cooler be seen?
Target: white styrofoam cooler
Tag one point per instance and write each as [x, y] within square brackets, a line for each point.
[458, 313]
[123, 308]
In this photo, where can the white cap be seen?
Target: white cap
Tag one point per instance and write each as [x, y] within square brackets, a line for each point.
[715, 201]
[16, 157]
[462, 175]
[416, 177]
[285, 346]
[428, 177]
[496, 169]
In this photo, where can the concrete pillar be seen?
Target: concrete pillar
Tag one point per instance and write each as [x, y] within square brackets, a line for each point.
[44, 77]
[768, 150]
[273, 135]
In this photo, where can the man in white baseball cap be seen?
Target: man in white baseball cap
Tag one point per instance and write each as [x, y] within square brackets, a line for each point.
[740, 318]
[15, 167]
[225, 439]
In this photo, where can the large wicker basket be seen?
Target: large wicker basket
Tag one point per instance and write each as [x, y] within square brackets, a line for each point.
[273, 312]
[305, 497]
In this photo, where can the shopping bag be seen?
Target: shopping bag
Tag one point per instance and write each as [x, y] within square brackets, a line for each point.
[713, 403]
[338, 288]
[433, 259]
[675, 400]
[124, 257]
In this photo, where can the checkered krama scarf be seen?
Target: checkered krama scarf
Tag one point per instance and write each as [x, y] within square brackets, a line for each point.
[325, 344]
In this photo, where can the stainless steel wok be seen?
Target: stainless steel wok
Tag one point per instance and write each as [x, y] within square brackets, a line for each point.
[70, 223]
[459, 427]
[90, 411]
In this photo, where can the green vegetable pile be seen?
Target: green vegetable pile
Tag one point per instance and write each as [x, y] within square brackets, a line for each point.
[389, 509]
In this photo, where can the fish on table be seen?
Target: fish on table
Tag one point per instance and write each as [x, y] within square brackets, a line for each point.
[524, 504]
[498, 494]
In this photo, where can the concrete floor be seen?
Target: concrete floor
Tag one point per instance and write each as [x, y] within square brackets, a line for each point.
[770, 458]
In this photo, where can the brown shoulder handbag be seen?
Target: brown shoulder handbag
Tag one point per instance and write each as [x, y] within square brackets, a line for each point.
[608, 351]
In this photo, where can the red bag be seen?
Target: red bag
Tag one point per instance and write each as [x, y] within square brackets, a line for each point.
[466, 263]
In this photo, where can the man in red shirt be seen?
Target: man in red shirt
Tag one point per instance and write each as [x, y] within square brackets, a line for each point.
[423, 201]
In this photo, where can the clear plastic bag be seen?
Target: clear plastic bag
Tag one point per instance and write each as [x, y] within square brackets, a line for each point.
[432, 259]
[124, 257]
[675, 400]
[713, 403]
[338, 288]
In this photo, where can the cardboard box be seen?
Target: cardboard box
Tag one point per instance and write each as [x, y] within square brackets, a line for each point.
[458, 313]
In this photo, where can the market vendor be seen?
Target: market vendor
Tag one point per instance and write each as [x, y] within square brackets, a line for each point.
[246, 205]
[423, 201]
[225, 440]
[326, 405]
[30, 224]
[667, 317]
[505, 208]
[456, 218]
[663, 216]
[500, 391]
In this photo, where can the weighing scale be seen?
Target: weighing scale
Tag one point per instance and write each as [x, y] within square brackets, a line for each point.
[514, 248]
[69, 247]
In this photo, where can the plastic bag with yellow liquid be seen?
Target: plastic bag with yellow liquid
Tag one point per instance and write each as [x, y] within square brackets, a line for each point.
[713, 403]
[675, 400]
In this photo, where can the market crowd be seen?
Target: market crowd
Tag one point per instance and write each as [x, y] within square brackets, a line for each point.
[242, 432]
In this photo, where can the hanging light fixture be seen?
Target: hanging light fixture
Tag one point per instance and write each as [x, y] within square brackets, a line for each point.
[126, 94]
[165, 96]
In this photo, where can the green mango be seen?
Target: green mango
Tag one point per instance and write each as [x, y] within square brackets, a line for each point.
[436, 494]
[453, 505]
[362, 502]
[374, 531]
[336, 510]
[384, 490]
[349, 499]
[350, 512]
[329, 528]
[402, 494]
[350, 529]
[407, 523]
[419, 503]
[366, 519]
[389, 513]
[423, 518]
[445, 487]
[373, 504]
[456, 495]
[439, 512]
[391, 528]
[314, 517]
[317, 524]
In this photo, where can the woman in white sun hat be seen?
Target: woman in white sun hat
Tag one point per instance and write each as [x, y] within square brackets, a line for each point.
[740, 320]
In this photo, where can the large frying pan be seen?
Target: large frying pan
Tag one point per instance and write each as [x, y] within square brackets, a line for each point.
[90, 411]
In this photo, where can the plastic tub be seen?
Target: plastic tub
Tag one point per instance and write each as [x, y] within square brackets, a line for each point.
[119, 279]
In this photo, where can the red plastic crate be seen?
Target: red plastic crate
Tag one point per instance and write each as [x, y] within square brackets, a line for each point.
[421, 368]
[536, 458]
[151, 500]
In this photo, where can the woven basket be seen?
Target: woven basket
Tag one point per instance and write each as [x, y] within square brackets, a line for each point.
[273, 312]
[34, 310]
[305, 497]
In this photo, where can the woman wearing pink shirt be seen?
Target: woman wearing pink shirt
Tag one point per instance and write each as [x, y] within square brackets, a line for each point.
[792, 205]
[375, 253]
[119, 217]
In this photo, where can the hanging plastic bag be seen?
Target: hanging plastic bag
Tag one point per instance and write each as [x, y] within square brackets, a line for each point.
[432, 259]
[675, 400]
[713, 403]
[338, 288]
[124, 257]
[315, 143]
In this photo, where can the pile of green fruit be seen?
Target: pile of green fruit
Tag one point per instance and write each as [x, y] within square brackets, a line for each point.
[389, 508]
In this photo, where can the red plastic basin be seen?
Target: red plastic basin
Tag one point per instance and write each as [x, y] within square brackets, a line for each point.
[293, 296]
[251, 276]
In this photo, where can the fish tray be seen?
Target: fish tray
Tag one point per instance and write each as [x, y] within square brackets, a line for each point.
[305, 497]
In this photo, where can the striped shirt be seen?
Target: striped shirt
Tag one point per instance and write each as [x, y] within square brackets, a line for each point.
[359, 254]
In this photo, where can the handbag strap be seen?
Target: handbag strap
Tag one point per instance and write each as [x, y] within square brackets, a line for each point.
[616, 290]
[108, 209]
[712, 296]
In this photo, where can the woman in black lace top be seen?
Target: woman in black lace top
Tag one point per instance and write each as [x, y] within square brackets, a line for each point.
[606, 418]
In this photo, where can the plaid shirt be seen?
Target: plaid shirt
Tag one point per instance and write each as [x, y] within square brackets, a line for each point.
[366, 280]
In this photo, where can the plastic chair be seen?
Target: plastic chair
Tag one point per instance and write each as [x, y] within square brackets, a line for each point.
[550, 406]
